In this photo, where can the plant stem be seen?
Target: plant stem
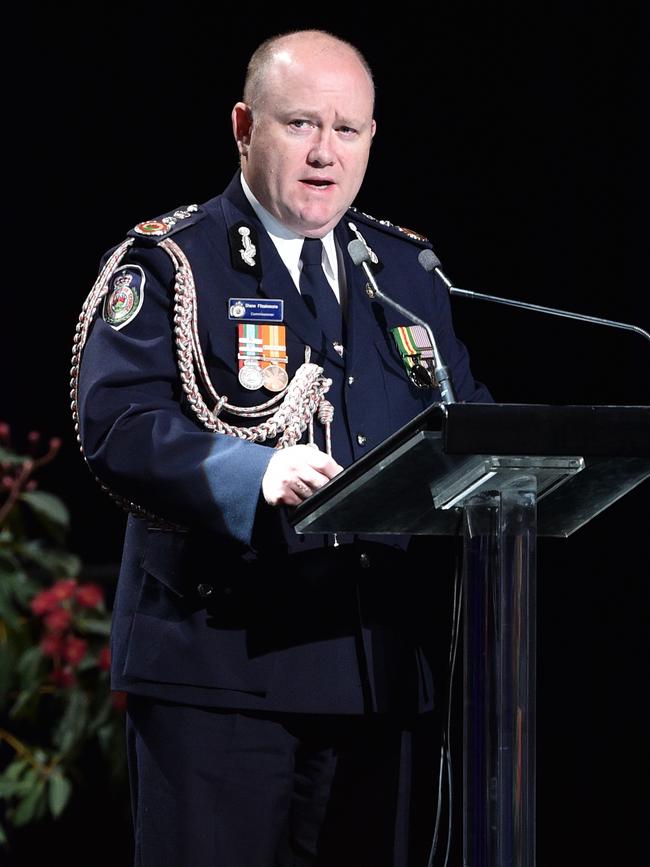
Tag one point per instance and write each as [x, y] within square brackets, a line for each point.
[25, 753]
[16, 488]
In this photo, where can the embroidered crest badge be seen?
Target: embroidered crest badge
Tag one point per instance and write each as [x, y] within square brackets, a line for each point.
[125, 296]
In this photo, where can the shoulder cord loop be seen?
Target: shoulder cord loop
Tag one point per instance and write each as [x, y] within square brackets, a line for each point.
[303, 398]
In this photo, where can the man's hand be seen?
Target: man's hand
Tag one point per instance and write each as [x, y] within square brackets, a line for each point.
[294, 473]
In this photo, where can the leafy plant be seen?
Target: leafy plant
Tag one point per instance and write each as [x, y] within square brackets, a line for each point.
[55, 697]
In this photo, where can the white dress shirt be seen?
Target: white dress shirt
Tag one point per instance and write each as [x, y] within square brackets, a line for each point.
[289, 245]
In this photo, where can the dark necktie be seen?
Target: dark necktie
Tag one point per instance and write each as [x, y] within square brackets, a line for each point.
[316, 290]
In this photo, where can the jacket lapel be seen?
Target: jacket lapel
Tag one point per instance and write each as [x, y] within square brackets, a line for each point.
[358, 303]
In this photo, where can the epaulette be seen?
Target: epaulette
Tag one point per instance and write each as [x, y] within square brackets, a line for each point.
[153, 231]
[386, 225]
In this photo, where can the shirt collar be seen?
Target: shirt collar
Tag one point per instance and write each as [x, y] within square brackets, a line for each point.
[289, 243]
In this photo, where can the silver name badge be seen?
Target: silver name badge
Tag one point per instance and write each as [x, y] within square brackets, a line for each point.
[256, 310]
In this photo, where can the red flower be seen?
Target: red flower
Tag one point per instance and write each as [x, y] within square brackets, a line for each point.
[89, 595]
[118, 699]
[64, 589]
[43, 602]
[58, 620]
[75, 649]
[104, 658]
[63, 677]
[52, 645]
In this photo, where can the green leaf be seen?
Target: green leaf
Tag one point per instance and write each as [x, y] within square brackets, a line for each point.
[41, 807]
[103, 713]
[50, 511]
[11, 457]
[92, 626]
[26, 702]
[12, 788]
[59, 794]
[24, 587]
[8, 612]
[30, 680]
[69, 732]
[113, 742]
[29, 664]
[30, 804]
[62, 564]
[105, 736]
[47, 506]
[8, 787]
[16, 769]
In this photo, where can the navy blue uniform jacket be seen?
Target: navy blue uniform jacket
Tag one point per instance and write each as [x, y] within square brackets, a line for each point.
[237, 610]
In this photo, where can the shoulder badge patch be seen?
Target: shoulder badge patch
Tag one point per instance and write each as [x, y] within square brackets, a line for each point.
[415, 235]
[163, 227]
[125, 296]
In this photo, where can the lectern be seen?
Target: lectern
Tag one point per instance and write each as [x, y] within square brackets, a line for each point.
[508, 473]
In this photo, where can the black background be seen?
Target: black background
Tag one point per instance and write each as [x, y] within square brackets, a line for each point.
[510, 136]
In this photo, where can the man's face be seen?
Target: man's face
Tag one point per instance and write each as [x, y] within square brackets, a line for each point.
[305, 148]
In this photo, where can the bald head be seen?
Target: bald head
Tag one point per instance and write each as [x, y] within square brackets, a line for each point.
[305, 128]
[278, 52]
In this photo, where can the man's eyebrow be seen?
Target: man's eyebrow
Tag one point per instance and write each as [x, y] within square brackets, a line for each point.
[300, 112]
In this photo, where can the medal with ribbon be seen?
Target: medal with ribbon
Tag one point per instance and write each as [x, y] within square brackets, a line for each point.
[415, 348]
[262, 356]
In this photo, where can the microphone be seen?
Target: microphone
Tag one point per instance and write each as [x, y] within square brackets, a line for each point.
[360, 256]
[430, 262]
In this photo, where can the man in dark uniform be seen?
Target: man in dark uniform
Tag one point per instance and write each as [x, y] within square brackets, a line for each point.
[236, 367]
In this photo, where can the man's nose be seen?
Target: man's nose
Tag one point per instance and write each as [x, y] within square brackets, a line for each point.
[322, 152]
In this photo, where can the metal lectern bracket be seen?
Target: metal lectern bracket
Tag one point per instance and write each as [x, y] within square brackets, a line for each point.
[482, 473]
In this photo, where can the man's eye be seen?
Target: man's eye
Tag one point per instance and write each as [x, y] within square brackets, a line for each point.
[299, 123]
[347, 130]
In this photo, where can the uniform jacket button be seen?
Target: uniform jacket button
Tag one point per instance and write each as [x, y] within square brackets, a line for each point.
[362, 439]
[364, 561]
[205, 590]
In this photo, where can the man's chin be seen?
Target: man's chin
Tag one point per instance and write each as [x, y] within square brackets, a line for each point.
[316, 224]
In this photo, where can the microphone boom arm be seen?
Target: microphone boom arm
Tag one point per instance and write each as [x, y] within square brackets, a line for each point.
[481, 296]
[431, 263]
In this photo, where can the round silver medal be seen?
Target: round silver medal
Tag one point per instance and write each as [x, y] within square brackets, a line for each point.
[250, 376]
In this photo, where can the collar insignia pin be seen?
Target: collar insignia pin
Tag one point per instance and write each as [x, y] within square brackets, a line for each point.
[373, 256]
[248, 250]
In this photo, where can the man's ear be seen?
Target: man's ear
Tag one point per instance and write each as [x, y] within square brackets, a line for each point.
[242, 122]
